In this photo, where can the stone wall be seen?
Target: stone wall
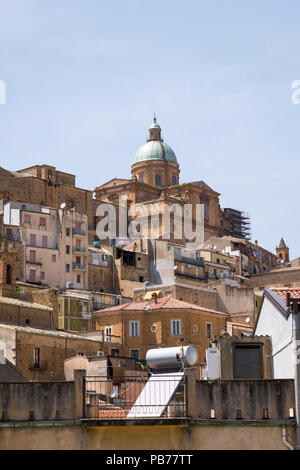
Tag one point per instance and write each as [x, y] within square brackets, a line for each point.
[286, 277]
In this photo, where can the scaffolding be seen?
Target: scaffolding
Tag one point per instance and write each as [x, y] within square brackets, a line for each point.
[239, 224]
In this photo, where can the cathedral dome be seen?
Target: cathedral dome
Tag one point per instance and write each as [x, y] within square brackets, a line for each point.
[155, 148]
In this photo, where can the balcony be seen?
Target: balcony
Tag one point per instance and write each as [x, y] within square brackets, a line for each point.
[77, 231]
[86, 315]
[34, 261]
[194, 261]
[77, 249]
[81, 267]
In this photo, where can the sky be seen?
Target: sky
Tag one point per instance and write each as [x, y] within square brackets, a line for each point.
[84, 77]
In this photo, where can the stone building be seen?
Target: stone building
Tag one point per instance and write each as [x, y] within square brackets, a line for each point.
[39, 354]
[132, 329]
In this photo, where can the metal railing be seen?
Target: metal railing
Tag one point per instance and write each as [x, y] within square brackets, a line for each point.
[79, 249]
[77, 231]
[117, 397]
[79, 266]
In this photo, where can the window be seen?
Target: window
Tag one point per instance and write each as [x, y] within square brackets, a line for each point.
[108, 334]
[208, 330]
[134, 329]
[67, 232]
[68, 249]
[27, 219]
[67, 268]
[78, 259]
[27, 322]
[114, 352]
[32, 275]
[158, 180]
[43, 221]
[42, 276]
[176, 327]
[53, 258]
[247, 361]
[78, 278]
[36, 357]
[32, 256]
[141, 179]
[174, 181]
[141, 279]
[70, 204]
[8, 274]
[182, 268]
[84, 328]
[134, 353]
[44, 241]
[32, 240]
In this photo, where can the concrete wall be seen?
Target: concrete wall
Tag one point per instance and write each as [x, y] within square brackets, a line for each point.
[249, 396]
[17, 399]
[73, 436]
[37, 401]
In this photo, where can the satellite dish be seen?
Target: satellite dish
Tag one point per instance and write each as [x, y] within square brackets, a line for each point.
[247, 320]
[63, 205]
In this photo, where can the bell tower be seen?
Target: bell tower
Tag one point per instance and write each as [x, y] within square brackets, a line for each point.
[282, 252]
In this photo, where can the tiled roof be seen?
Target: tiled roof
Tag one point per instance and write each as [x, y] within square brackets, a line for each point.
[23, 303]
[163, 303]
[42, 331]
[282, 291]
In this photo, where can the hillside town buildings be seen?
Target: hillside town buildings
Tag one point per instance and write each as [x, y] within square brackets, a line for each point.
[81, 306]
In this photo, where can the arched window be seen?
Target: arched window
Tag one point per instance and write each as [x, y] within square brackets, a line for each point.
[8, 274]
[158, 180]
[141, 179]
[174, 180]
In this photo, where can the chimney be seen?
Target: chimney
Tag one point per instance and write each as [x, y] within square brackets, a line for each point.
[154, 297]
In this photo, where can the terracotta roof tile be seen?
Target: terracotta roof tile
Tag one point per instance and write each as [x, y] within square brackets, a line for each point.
[163, 303]
[282, 291]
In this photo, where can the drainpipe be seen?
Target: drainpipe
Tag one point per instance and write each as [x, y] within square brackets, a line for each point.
[296, 344]
[284, 439]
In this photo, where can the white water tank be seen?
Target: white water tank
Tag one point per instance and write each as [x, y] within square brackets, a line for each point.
[171, 358]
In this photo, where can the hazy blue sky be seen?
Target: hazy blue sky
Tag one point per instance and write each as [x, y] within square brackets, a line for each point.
[83, 78]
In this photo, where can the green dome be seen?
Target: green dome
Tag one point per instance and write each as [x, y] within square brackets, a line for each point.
[155, 150]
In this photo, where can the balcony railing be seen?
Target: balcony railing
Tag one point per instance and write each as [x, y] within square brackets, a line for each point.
[34, 261]
[116, 397]
[82, 267]
[194, 261]
[79, 249]
[77, 231]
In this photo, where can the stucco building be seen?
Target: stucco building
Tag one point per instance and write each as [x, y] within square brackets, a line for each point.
[134, 328]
